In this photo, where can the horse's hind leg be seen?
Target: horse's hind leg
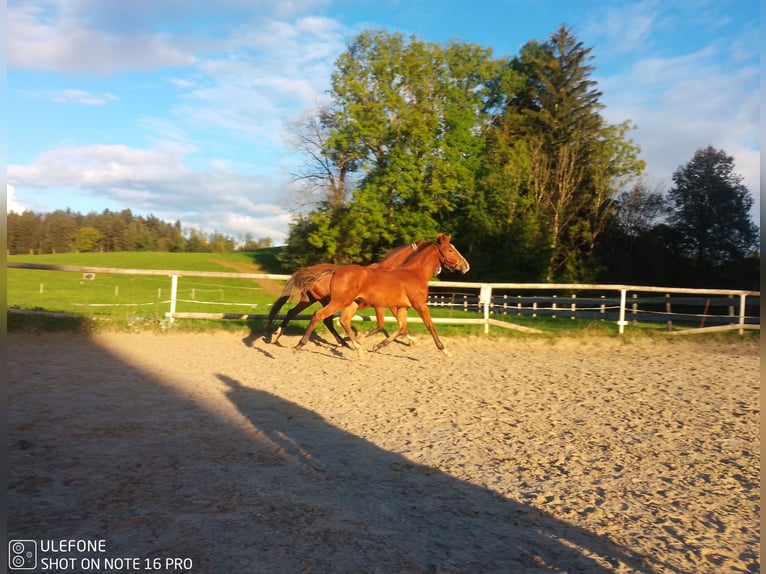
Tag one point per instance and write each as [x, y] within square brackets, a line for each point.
[345, 321]
[328, 322]
[401, 319]
[380, 317]
[290, 314]
[406, 332]
[320, 315]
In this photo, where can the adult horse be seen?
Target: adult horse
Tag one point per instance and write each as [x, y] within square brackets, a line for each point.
[312, 284]
[398, 289]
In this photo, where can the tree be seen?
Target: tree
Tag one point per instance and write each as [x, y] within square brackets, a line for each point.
[60, 232]
[88, 239]
[404, 124]
[578, 161]
[64, 231]
[196, 242]
[710, 210]
[635, 245]
[512, 157]
[24, 232]
[639, 210]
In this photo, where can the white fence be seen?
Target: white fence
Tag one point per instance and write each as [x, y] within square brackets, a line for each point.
[625, 306]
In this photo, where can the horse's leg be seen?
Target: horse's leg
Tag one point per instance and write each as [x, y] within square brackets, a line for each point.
[302, 304]
[272, 315]
[380, 318]
[320, 315]
[380, 314]
[345, 321]
[425, 314]
[406, 332]
[401, 318]
[328, 322]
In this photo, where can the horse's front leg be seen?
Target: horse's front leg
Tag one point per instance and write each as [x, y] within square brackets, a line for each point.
[401, 318]
[425, 314]
[345, 321]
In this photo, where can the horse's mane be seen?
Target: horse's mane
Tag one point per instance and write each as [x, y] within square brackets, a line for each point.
[421, 246]
[412, 247]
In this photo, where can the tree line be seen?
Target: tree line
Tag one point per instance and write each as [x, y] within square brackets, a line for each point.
[514, 158]
[65, 231]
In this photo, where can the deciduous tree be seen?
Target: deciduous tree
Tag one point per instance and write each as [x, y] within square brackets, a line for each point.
[710, 210]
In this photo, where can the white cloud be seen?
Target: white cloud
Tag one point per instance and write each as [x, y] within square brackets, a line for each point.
[623, 28]
[157, 181]
[685, 103]
[11, 204]
[82, 97]
[51, 36]
[270, 71]
[97, 37]
[234, 92]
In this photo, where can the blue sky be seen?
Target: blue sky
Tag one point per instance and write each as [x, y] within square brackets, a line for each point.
[181, 108]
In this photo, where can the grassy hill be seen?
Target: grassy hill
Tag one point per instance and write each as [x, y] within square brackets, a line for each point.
[140, 298]
[262, 261]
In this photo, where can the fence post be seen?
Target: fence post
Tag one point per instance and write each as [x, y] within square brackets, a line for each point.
[621, 321]
[668, 311]
[634, 310]
[485, 299]
[173, 292]
[574, 306]
[742, 299]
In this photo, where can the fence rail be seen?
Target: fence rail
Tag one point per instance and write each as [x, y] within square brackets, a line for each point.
[506, 299]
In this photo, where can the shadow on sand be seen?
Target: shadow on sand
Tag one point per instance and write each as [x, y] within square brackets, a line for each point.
[99, 449]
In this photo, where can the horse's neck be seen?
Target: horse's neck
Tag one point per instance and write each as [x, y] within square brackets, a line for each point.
[424, 261]
[397, 257]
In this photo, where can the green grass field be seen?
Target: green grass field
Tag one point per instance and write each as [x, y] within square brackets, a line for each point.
[135, 298]
[141, 301]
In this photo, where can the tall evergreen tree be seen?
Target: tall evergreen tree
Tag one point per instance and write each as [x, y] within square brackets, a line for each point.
[578, 161]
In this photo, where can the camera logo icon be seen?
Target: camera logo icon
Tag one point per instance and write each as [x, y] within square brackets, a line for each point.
[22, 554]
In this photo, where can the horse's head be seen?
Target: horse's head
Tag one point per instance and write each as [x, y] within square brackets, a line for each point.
[449, 256]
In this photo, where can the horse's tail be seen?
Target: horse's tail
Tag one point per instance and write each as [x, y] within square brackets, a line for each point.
[299, 282]
[304, 279]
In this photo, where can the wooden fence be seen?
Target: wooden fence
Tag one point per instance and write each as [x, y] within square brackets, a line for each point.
[503, 299]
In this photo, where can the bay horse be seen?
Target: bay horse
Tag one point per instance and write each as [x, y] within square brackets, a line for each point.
[398, 289]
[312, 284]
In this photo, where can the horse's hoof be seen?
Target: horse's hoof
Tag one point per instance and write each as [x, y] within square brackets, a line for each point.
[446, 353]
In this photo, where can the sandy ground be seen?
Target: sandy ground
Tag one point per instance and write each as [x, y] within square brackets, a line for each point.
[514, 455]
